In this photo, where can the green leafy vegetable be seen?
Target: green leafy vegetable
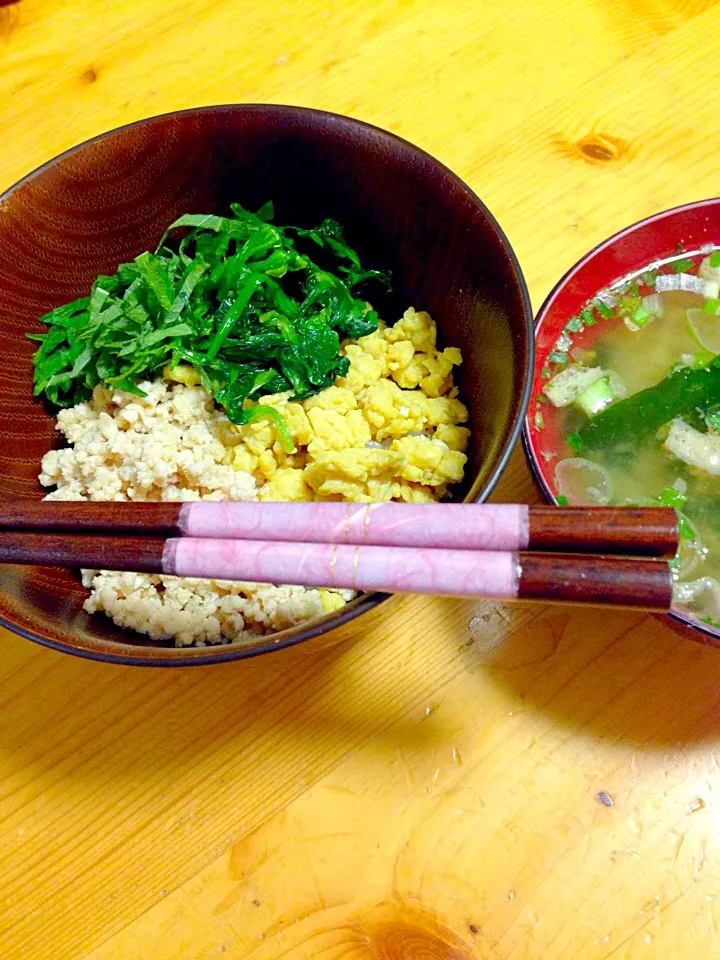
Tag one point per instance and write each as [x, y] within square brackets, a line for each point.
[254, 307]
[625, 424]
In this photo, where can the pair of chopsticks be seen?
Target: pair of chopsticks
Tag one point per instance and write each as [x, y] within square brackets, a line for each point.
[597, 555]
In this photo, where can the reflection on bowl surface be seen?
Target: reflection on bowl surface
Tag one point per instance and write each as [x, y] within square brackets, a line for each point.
[108, 200]
[626, 395]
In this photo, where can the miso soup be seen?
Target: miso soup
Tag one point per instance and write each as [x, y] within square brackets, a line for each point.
[630, 409]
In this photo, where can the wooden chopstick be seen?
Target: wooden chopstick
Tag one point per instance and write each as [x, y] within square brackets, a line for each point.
[632, 531]
[510, 575]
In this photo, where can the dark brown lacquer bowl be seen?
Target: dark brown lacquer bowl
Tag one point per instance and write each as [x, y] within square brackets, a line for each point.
[111, 198]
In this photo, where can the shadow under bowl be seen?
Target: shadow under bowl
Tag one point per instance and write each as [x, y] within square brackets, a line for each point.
[110, 198]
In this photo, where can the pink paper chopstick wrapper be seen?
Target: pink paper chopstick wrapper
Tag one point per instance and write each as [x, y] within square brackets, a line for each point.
[451, 525]
[390, 569]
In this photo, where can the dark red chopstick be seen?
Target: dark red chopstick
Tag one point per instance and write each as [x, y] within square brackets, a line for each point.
[511, 575]
[632, 531]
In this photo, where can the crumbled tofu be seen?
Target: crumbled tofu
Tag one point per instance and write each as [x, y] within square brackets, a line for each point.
[699, 450]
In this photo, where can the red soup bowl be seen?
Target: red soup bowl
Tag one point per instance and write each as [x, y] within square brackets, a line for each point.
[631, 249]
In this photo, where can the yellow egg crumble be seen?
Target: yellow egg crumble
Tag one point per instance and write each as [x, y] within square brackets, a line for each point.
[389, 430]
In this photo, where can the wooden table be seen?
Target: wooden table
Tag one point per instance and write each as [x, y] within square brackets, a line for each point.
[429, 784]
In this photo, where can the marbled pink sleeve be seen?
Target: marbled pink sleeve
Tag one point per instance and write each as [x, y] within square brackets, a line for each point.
[390, 569]
[453, 525]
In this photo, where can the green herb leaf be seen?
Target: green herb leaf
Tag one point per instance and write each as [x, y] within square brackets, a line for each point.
[245, 302]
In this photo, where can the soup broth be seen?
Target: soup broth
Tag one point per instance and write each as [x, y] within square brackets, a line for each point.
[631, 407]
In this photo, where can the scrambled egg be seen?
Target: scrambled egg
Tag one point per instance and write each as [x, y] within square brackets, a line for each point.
[389, 430]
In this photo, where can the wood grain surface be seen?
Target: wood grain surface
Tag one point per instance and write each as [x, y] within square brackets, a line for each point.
[454, 779]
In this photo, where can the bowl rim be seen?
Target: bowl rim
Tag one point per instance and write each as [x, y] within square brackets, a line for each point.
[219, 653]
[706, 629]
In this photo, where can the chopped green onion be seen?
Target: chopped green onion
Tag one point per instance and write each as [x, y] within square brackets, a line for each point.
[540, 398]
[682, 266]
[539, 419]
[634, 292]
[556, 356]
[679, 247]
[596, 397]
[575, 442]
[603, 309]
[641, 317]
[588, 317]
[545, 373]
[562, 500]
[715, 258]
[628, 305]
[685, 528]
[574, 324]
[649, 278]
[712, 305]
[702, 359]
[672, 497]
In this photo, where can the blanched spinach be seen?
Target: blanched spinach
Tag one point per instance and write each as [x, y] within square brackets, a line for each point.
[240, 299]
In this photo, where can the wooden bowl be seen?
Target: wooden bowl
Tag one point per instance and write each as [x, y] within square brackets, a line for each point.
[632, 248]
[111, 198]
